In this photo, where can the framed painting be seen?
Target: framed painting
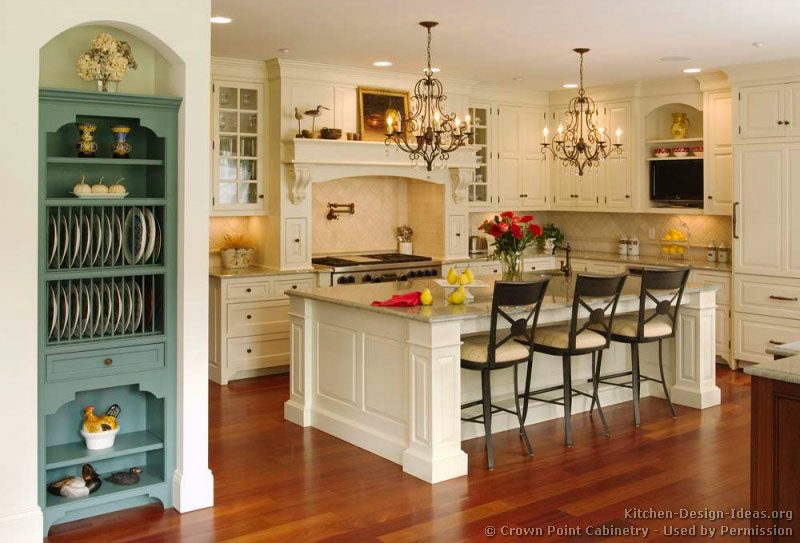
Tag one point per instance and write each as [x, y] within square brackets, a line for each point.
[373, 107]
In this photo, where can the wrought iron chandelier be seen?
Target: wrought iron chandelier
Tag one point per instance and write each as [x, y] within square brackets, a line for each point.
[581, 145]
[428, 133]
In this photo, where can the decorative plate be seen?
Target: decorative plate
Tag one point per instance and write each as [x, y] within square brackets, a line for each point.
[158, 240]
[53, 311]
[128, 307]
[97, 309]
[64, 313]
[108, 237]
[108, 309]
[75, 260]
[86, 230]
[151, 234]
[97, 239]
[53, 233]
[86, 310]
[117, 302]
[138, 307]
[117, 240]
[75, 313]
[64, 241]
[134, 235]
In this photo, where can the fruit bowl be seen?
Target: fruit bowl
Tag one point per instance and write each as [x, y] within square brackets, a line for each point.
[448, 288]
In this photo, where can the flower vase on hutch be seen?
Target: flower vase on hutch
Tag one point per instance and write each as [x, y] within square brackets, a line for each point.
[512, 235]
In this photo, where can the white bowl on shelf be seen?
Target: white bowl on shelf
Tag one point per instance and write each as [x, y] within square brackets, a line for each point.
[96, 441]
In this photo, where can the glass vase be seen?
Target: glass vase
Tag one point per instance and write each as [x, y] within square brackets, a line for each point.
[511, 265]
[106, 85]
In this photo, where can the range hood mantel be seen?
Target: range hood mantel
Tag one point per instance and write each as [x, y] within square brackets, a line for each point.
[316, 160]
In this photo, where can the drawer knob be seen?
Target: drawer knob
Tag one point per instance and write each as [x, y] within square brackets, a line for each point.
[294, 287]
[248, 290]
[249, 316]
[297, 240]
[783, 298]
[108, 361]
[249, 351]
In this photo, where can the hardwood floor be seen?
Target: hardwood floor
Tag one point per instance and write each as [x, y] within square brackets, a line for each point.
[275, 481]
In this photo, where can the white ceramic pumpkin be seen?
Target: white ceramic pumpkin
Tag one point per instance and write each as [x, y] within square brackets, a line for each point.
[117, 188]
[82, 188]
[100, 187]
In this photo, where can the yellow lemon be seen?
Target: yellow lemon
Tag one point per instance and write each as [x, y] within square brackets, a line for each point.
[470, 276]
[426, 298]
[452, 276]
[680, 250]
[665, 249]
[668, 237]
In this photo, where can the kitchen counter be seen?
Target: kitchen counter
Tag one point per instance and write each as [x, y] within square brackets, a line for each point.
[259, 271]
[785, 369]
[389, 379]
[610, 257]
[785, 350]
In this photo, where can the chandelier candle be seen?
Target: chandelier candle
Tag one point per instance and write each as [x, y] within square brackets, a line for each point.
[428, 133]
[582, 145]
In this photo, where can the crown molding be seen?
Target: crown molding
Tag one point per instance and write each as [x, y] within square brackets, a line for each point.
[713, 81]
[238, 69]
[764, 72]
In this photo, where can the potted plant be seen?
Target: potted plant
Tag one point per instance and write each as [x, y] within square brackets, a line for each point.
[235, 252]
[551, 236]
[106, 62]
[512, 234]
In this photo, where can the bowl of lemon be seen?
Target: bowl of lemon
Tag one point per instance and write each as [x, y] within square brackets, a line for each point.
[457, 285]
[674, 244]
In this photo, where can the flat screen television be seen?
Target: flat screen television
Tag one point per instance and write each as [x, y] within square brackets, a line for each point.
[677, 183]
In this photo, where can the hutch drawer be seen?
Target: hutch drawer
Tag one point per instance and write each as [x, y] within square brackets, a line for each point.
[258, 352]
[249, 291]
[249, 319]
[282, 285]
[83, 364]
[772, 296]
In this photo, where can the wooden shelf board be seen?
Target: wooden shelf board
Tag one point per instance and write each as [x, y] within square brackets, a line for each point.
[106, 493]
[105, 202]
[105, 161]
[682, 140]
[656, 159]
[101, 272]
[103, 340]
[69, 454]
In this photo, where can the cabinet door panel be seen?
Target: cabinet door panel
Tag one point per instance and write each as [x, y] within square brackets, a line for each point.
[760, 109]
[457, 232]
[534, 182]
[587, 188]
[508, 132]
[618, 182]
[295, 241]
[508, 156]
[752, 334]
[722, 329]
[563, 185]
[719, 158]
[791, 227]
[759, 225]
[792, 109]
[508, 181]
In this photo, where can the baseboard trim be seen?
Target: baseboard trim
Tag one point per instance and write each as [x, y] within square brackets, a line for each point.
[26, 526]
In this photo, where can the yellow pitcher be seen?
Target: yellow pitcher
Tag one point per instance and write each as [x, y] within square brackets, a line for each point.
[680, 125]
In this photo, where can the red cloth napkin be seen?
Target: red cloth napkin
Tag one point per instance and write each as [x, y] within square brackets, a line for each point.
[409, 299]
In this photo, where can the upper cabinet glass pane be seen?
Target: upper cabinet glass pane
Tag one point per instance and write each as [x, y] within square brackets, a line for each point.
[248, 122]
[227, 145]
[227, 121]
[248, 99]
[228, 98]
[249, 147]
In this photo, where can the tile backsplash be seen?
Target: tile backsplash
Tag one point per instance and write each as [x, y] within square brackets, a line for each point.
[591, 231]
[381, 206]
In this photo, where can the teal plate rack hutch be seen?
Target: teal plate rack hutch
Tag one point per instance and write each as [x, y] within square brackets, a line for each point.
[107, 299]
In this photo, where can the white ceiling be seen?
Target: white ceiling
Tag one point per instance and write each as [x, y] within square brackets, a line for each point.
[494, 41]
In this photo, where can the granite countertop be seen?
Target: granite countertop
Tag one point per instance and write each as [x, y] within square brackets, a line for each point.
[259, 271]
[787, 349]
[785, 369]
[559, 296]
[610, 257]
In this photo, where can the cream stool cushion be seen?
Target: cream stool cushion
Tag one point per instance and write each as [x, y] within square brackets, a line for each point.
[476, 349]
[558, 337]
[626, 325]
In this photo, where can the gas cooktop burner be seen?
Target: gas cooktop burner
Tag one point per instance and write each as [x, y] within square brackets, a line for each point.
[365, 260]
[377, 268]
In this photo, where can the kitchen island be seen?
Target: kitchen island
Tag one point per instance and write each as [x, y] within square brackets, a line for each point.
[388, 379]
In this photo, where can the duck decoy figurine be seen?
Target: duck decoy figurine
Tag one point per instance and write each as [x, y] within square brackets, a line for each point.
[76, 487]
[299, 117]
[94, 424]
[314, 113]
[130, 477]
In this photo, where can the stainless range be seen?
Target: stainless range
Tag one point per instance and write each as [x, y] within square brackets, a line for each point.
[378, 268]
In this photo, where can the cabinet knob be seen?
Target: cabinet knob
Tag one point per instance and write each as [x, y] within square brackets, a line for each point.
[248, 290]
[710, 197]
[249, 351]
[297, 240]
[294, 287]
[780, 122]
[249, 316]
[108, 361]
[627, 196]
[786, 122]
[458, 234]
[261, 196]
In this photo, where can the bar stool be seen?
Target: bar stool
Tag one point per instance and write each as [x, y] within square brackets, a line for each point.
[589, 336]
[486, 353]
[647, 326]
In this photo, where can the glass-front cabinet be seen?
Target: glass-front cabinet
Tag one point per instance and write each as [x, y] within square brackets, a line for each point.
[479, 191]
[238, 168]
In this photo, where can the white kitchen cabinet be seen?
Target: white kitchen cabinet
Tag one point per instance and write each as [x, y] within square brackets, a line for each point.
[457, 232]
[249, 324]
[295, 242]
[718, 159]
[533, 181]
[521, 166]
[752, 334]
[238, 182]
[769, 111]
[480, 189]
[617, 175]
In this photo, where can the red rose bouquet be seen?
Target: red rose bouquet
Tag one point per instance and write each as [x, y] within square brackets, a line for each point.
[512, 235]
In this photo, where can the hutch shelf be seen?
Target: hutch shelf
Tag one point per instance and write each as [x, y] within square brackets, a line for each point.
[107, 298]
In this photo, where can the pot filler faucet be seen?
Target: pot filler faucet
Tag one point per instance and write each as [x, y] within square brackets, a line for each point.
[566, 268]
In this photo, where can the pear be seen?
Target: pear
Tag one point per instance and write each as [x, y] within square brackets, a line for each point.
[463, 279]
[452, 276]
[458, 296]
[470, 276]
[426, 298]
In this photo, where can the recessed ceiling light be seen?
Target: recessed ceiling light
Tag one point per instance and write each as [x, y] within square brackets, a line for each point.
[517, 79]
[382, 63]
[674, 59]
[220, 20]
[691, 70]
[436, 70]
[284, 50]
[570, 85]
[758, 44]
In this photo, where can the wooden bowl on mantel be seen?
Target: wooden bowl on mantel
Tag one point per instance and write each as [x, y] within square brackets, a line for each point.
[331, 133]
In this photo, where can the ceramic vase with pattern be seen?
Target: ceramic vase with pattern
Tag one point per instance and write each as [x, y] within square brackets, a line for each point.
[87, 147]
[121, 148]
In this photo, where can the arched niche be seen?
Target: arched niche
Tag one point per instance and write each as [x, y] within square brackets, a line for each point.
[658, 121]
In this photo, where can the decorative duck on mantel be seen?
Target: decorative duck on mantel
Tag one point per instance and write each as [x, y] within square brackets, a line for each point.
[94, 424]
[130, 477]
[77, 487]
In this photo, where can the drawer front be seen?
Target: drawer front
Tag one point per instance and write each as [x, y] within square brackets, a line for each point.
[752, 334]
[604, 268]
[258, 352]
[252, 319]
[723, 281]
[249, 291]
[80, 365]
[280, 286]
[771, 296]
[537, 264]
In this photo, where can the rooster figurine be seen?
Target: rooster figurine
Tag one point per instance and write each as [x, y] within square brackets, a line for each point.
[94, 424]
[76, 487]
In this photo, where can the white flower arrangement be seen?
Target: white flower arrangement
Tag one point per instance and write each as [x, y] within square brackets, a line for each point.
[107, 60]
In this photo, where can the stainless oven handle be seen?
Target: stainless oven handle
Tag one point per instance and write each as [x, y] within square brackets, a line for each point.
[735, 205]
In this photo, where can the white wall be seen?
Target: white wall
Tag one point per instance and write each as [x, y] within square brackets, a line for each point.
[25, 27]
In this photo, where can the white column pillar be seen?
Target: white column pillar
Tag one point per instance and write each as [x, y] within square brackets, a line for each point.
[695, 372]
[434, 453]
[297, 408]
